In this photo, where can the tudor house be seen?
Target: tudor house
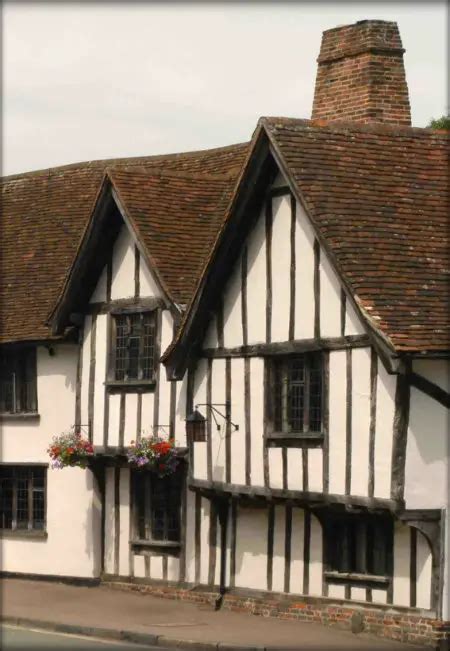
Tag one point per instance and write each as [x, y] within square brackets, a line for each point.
[289, 297]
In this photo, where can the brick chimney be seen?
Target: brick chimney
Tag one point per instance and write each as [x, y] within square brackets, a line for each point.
[361, 76]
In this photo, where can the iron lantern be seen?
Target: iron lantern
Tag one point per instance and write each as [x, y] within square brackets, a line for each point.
[196, 427]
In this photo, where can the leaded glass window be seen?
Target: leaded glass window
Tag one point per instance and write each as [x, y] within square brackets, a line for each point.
[22, 497]
[158, 506]
[18, 381]
[135, 341]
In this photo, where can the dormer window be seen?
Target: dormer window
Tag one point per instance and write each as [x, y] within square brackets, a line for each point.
[133, 348]
[18, 381]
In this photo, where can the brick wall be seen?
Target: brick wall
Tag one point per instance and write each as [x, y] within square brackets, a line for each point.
[361, 75]
[403, 625]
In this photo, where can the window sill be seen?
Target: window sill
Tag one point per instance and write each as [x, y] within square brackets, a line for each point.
[351, 577]
[132, 386]
[25, 415]
[294, 439]
[24, 534]
[163, 546]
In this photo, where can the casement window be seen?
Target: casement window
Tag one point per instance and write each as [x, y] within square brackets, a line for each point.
[157, 507]
[358, 545]
[22, 498]
[18, 381]
[134, 347]
[295, 400]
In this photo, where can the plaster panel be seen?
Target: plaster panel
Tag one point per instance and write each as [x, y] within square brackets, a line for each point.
[232, 312]
[251, 549]
[86, 358]
[180, 412]
[379, 596]
[315, 563]
[330, 299]
[210, 340]
[304, 284]
[275, 467]
[100, 374]
[256, 282]
[353, 322]
[148, 285]
[200, 449]
[131, 401]
[218, 436]
[336, 591]
[139, 566]
[426, 468]
[257, 416]
[315, 470]
[297, 540]
[99, 293]
[238, 451]
[278, 549]
[423, 572]
[401, 565]
[281, 264]
[124, 512]
[204, 540]
[122, 282]
[173, 568]
[156, 567]
[279, 181]
[295, 469]
[358, 594]
[109, 521]
[337, 422]
[360, 421]
[114, 418]
[384, 431]
[190, 533]
[148, 400]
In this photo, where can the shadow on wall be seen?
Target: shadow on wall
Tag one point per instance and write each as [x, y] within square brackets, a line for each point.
[92, 523]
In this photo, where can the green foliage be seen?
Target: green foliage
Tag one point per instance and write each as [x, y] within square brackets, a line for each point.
[440, 123]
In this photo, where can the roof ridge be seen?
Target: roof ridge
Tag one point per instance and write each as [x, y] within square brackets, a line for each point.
[128, 161]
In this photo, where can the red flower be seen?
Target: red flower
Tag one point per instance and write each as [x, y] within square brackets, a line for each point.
[70, 450]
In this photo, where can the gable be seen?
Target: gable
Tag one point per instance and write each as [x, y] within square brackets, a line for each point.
[283, 286]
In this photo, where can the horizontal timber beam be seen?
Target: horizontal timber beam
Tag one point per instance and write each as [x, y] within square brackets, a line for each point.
[302, 498]
[289, 347]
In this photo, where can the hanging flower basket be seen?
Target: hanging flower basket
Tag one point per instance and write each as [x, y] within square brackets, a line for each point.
[155, 454]
[70, 449]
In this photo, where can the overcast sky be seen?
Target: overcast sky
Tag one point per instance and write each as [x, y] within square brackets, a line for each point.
[84, 81]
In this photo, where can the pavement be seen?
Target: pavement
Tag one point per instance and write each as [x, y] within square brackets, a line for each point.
[107, 613]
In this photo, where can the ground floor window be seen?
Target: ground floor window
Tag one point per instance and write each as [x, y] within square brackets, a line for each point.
[157, 504]
[359, 544]
[22, 497]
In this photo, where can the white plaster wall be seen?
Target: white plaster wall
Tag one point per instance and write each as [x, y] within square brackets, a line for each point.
[384, 431]
[251, 549]
[180, 412]
[99, 293]
[337, 421]
[218, 436]
[124, 516]
[148, 285]
[238, 451]
[200, 448]
[86, 359]
[297, 547]
[295, 469]
[315, 559]
[281, 263]
[304, 286]
[278, 561]
[100, 374]
[256, 282]
[190, 537]
[427, 461]
[275, 467]
[401, 565]
[423, 572]
[353, 322]
[232, 308]
[257, 420]
[330, 299]
[110, 530]
[434, 370]
[204, 539]
[360, 421]
[315, 470]
[379, 596]
[122, 281]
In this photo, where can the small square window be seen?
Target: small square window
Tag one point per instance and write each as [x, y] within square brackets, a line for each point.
[296, 397]
[134, 347]
[18, 381]
[22, 498]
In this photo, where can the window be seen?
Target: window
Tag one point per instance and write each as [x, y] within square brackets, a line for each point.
[22, 497]
[18, 381]
[359, 544]
[134, 347]
[295, 403]
[157, 507]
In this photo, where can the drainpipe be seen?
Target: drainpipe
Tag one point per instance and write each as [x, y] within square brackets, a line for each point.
[222, 510]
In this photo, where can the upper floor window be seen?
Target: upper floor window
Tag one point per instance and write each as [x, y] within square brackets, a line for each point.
[134, 347]
[295, 396]
[18, 381]
[22, 497]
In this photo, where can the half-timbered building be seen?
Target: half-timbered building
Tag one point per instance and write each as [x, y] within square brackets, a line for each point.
[290, 295]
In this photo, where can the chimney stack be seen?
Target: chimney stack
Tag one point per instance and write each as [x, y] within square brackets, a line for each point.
[361, 76]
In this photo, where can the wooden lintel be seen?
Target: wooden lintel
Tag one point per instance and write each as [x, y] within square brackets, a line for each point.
[289, 347]
[125, 305]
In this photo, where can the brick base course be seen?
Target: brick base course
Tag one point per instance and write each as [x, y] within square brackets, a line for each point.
[388, 623]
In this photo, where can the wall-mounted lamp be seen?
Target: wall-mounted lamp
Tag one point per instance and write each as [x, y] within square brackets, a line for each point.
[196, 422]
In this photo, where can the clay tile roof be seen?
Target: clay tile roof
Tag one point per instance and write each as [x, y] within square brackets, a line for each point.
[44, 214]
[379, 196]
[177, 216]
